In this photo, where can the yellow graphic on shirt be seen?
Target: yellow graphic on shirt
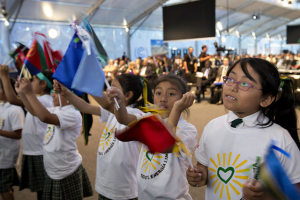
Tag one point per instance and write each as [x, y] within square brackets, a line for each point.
[1, 123]
[107, 140]
[227, 175]
[49, 133]
[152, 164]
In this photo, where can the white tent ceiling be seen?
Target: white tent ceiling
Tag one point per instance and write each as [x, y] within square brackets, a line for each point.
[235, 15]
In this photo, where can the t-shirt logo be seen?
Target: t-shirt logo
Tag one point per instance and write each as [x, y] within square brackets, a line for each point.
[1, 123]
[153, 164]
[227, 175]
[49, 134]
[107, 140]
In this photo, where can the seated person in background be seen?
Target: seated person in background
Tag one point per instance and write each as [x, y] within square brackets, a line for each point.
[209, 76]
[110, 69]
[132, 69]
[217, 84]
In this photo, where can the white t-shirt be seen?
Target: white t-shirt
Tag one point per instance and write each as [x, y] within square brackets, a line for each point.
[116, 160]
[163, 176]
[230, 153]
[34, 130]
[11, 119]
[61, 157]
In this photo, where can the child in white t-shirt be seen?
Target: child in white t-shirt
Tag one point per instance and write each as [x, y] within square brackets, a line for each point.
[162, 175]
[116, 160]
[11, 124]
[32, 171]
[65, 176]
[261, 109]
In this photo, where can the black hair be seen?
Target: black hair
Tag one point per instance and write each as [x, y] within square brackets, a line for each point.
[131, 82]
[282, 109]
[48, 73]
[175, 80]
[178, 81]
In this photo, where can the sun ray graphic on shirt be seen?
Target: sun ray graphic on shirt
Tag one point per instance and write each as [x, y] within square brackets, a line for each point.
[150, 161]
[227, 174]
[106, 138]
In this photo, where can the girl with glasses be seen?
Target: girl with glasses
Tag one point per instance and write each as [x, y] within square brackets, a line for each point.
[261, 109]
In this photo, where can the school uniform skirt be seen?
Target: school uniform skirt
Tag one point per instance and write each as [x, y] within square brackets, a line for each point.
[32, 173]
[74, 187]
[8, 178]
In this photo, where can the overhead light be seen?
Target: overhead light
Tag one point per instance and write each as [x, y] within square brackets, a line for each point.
[47, 9]
[223, 39]
[127, 29]
[255, 16]
[237, 33]
[268, 36]
[53, 33]
[6, 22]
[219, 26]
[254, 35]
[27, 28]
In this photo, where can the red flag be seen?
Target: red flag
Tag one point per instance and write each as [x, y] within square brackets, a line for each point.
[19, 55]
[53, 58]
[150, 131]
[35, 60]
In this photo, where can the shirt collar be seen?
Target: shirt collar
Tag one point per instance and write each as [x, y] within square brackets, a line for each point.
[249, 121]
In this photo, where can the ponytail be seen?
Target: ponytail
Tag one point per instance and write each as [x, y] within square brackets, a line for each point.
[284, 108]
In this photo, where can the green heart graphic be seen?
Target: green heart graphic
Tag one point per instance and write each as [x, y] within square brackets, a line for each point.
[107, 135]
[231, 169]
[147, 155]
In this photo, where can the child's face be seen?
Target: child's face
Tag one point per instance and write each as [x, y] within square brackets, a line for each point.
[243, 103]
[36, 85]
[165, 95]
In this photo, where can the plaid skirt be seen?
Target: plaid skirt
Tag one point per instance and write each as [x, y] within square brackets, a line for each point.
[101, 197]
[32, 173]
[8, 178]
[74, 187]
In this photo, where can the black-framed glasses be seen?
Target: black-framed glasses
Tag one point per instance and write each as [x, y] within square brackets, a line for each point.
[242, 85]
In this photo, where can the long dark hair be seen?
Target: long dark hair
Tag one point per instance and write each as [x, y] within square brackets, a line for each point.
[130, 82]
[282, 109]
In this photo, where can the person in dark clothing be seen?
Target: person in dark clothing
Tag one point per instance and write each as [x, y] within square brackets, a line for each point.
[203, 57]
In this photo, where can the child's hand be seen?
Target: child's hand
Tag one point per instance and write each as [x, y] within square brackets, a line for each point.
[185, 102]
[59, 88]
[196, 176]
[17, 87]
[25, 86]
[115, 92]
[253, 190]
[3, 70]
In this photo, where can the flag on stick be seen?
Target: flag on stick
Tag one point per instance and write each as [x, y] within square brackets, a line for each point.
[150, 131]
[274, 177]
[67, 68]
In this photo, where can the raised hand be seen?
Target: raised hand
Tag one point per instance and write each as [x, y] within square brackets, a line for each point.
[25, 86]
[185, 102]
[3, 70]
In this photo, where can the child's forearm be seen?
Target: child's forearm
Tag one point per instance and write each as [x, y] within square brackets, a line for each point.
[174, 117]
[26, 103]
[80, 104]
[123, 116]
[10, 93]
[40, 111]
[12, 134]
[104, 102]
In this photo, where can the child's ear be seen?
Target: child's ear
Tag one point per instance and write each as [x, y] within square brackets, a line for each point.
[266, 101]
[128, 95]
[44, 84]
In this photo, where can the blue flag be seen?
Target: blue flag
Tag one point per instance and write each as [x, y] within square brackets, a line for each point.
[67, 68]
[89, 77]
[275, 178]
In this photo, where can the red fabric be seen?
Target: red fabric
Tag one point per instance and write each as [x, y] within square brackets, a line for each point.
[53, 58]
[149, 131]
